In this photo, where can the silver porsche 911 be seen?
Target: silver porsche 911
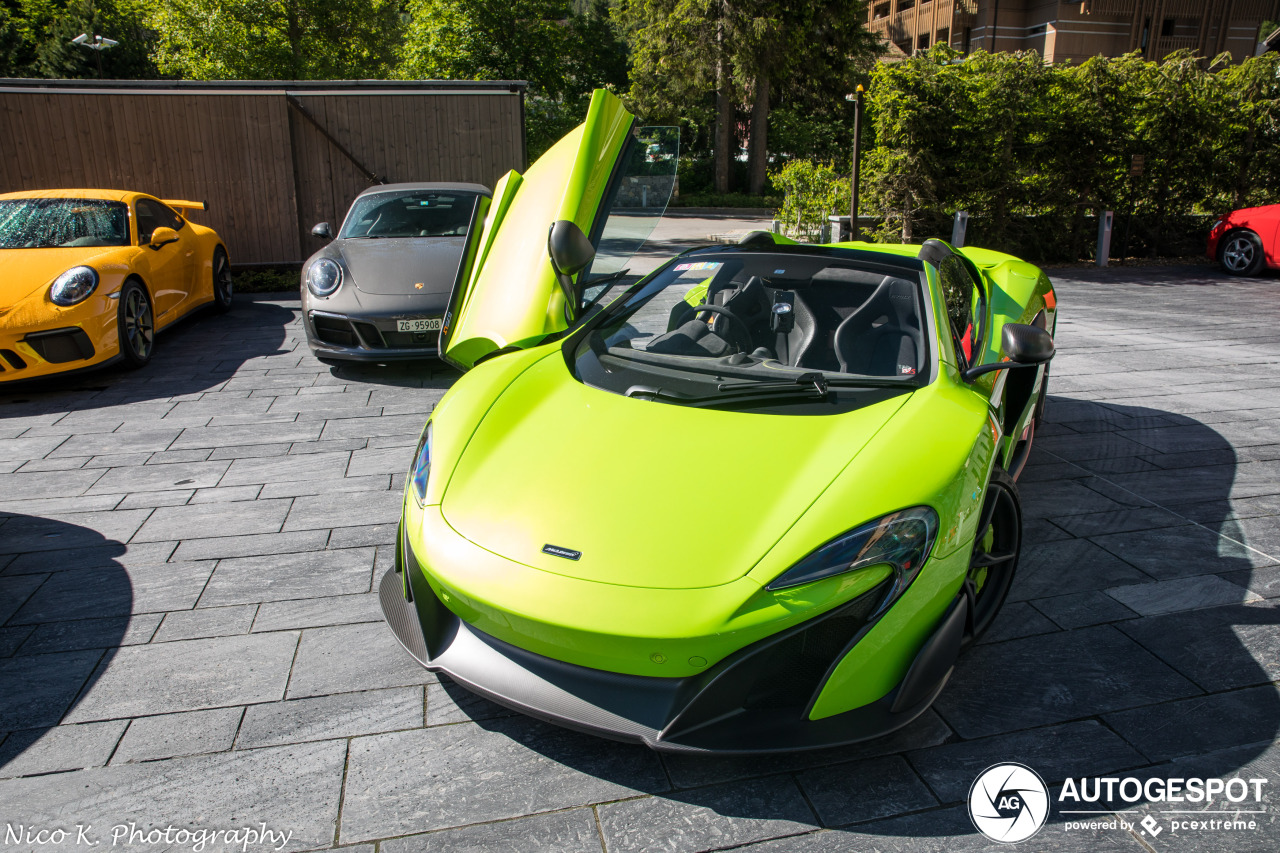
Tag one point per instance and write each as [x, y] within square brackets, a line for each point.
[379, 290]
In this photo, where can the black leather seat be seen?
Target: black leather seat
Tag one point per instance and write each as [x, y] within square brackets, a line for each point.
[882, 337]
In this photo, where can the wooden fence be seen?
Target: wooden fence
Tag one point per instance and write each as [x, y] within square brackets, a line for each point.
[270, 158]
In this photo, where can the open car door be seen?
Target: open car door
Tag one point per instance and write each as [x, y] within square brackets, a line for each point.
[607, 177]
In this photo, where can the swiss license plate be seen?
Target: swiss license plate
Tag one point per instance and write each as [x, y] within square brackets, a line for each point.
[424, 324]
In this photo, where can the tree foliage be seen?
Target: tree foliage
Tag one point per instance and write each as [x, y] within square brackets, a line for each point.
[35, 39]
[277, 39]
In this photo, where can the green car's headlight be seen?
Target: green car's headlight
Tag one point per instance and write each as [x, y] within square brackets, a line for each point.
[421, 466]
[324, 277]
[73, 286]
[901, 540]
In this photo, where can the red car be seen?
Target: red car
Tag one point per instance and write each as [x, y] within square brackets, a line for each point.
[1245, 241]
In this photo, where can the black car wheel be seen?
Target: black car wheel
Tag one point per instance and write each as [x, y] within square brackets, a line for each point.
[135, 324]
[1241, 253]
[223, 288]
[995, 554]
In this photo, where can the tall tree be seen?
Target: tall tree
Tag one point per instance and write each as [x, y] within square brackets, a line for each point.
[277, 39]
[35, 39]
[749, 53]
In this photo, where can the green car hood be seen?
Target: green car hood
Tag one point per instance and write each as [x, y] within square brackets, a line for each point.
[646, 491]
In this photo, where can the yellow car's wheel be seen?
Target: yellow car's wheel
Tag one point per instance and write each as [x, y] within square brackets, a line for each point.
[136, 324]
[222, 285]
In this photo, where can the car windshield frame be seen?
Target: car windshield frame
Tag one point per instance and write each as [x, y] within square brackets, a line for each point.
[736, 376]
[389, 196]
[35, 214]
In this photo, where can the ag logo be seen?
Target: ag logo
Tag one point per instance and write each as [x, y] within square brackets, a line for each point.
[1008, 803]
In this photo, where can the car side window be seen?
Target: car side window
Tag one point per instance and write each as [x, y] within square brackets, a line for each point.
[153, 215]
[961, 294]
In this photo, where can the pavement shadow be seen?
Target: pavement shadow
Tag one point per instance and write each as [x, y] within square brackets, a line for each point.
[1130, 636]
[65, 605]
[198, 352]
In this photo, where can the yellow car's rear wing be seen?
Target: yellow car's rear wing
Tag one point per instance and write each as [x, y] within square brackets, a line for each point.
[186, 205]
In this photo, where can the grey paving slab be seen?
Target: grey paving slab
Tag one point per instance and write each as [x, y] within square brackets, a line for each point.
[571, 831]
[102, 633]
[71, 595]
[1191, 593]
[325, 717]
[132, 441]
[865, 790]
[281, 469]
[1221, 648]
[13, 637]
[1198, 725]
[706, 818]
[1017, 619]
[240, 580]
[70, 529]
[318, 612]
[375, 483]
[410, 782]
[245, 434]
[1173, 552]
[149, 478]
[206, 622]
[1053, 678]
[1265, 581]
[351, 657]
[312, 512]
[16, 487]
[369, 534]
[1069, 566]
[35, 690]
[1084, 748]
[249, 451]
[145, 500]
[173, 735]
[1118, 521]
[189, 675]
[209, 520]
[225, 494]
[250, 545]
[390, 425]
[449, 703]
[32, 752]
[292, 789]
[1083, 609]
[34, 447]
[389, 460]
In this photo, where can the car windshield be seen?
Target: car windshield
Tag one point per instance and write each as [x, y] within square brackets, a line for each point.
[734, 321]
[52, 223]
[419, 213]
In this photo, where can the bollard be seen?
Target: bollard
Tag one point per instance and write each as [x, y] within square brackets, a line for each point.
[824, 233]
[775, 226]
[958, 227]
[1104, 238]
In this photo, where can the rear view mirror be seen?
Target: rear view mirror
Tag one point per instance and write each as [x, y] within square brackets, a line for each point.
[571, 252]
[322, 230]
[1023, 345]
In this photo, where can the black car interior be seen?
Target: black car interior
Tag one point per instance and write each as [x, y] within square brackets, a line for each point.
[840, 318]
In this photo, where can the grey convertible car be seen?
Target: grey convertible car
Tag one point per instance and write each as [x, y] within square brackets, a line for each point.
[379, 290]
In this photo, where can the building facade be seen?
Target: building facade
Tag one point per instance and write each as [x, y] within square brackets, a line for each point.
[1075, 31]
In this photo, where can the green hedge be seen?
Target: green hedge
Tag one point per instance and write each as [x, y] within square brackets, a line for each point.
[1033, 151]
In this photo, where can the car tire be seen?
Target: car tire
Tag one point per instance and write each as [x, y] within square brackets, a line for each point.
[223, 287]
[1240, 253]
[135, 325]
[994, 558]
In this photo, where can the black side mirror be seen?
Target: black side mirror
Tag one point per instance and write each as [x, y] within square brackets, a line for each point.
[571, 252]
[322, 230]
[1025, 346]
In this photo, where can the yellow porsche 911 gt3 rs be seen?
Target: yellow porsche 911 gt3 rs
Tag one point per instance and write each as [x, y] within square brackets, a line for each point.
[89, 276]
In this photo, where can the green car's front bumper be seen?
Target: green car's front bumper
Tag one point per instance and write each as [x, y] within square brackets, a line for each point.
[756, 700]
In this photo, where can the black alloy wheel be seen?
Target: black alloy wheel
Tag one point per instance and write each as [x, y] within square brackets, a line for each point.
[136, 324]
[994, 559]
[223, 289]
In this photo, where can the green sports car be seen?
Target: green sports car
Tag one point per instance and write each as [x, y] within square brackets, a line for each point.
[756, 500]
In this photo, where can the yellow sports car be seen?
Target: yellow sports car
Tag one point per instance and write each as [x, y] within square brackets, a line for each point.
[89, 276]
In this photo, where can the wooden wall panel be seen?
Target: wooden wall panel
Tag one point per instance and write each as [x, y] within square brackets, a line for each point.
[267, 172]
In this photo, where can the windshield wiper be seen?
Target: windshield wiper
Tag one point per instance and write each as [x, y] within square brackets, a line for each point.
[750, 392]
[817, 380]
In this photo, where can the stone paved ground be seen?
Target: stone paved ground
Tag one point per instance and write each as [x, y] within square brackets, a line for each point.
[190, 635]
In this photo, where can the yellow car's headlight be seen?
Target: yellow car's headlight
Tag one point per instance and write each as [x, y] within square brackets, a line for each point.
[74, 286]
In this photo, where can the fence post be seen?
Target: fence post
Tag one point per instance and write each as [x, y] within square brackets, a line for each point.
[824, 233]
[958, 227]
[1104, 238]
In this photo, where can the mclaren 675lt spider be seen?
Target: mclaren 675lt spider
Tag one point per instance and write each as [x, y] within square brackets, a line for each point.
[759, 499]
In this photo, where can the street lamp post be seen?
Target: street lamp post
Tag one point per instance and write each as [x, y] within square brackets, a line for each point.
[97, 44]
[857, 162]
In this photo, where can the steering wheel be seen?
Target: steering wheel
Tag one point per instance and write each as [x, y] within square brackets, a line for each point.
[733, 318]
